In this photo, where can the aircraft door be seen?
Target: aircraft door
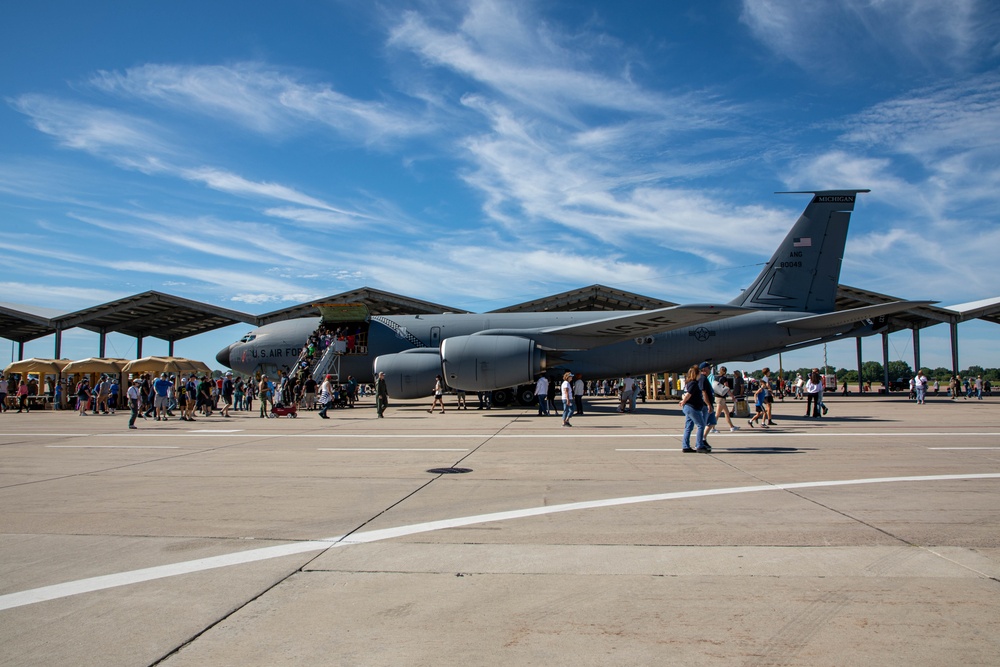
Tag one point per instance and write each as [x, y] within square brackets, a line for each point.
[435, 337]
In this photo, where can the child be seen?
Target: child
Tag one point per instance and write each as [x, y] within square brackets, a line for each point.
[760, 398]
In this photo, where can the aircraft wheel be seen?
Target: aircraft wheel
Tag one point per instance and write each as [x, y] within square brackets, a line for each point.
[526, 395]
[502, 397]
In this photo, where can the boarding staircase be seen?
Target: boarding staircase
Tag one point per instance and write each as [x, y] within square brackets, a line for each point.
[328, 364]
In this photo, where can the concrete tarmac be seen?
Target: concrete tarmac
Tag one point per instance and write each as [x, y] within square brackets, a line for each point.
[871, 536]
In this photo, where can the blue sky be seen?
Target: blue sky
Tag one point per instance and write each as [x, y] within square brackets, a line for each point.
[256, 155]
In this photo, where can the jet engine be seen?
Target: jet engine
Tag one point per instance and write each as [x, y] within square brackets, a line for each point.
[409, 374]
[482, 363]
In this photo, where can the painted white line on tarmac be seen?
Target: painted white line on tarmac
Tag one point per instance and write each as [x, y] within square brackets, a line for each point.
[385, 449]
[45, 435]
[69, 588]
[951, 448]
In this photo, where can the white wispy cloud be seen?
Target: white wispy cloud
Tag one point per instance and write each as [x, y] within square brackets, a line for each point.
[507, 49]
[263, 99]
[100, 131]
[846, 36]
[264, 298]
[63, 297]
[138, 144]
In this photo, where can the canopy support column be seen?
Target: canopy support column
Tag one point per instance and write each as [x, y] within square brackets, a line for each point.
[954, 348]
[885, 362]
[861, 380]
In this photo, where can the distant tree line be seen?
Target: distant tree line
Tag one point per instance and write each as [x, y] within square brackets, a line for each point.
[872, 371]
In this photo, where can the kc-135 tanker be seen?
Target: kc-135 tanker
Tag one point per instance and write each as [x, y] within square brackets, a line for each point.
[790, 305]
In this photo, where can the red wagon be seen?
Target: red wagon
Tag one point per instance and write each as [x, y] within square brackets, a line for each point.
[285, 411]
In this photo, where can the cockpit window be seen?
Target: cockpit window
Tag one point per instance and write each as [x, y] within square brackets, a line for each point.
[249, 337]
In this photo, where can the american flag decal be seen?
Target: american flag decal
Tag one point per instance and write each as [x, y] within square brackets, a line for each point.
[804, 242]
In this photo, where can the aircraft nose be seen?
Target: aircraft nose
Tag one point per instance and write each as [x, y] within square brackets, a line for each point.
[223, 356]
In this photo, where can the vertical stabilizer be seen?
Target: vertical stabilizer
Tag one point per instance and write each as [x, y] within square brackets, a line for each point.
[804, 271]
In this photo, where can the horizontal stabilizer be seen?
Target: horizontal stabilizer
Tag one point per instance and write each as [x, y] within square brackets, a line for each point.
[845, 317]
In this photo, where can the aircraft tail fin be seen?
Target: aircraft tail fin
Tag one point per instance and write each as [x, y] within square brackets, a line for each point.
[804, 271]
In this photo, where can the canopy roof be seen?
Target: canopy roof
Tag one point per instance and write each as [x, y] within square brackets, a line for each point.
[20, 325]
[595, 297]
[153, 314]
[377, 301]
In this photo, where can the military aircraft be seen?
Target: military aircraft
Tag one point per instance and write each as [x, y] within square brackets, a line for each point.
[790, 305]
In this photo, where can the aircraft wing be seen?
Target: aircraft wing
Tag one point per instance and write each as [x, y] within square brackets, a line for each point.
[844, 317]
[622, 326]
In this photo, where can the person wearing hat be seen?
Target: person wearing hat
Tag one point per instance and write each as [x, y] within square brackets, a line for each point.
[227, 393]
[133, 401]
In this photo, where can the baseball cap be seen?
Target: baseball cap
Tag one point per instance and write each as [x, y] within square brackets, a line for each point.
[704, 364]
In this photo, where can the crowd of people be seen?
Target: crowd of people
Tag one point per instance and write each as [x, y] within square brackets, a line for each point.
[705, 393]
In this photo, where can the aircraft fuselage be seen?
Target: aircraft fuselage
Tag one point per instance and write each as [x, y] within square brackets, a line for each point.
[278, 345]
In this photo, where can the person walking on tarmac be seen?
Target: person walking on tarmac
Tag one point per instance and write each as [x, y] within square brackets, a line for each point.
[721, 388]
[438, 394]
[542, 395]
[578, 389]
[326, 396]
[133, 401]
[813, 397]
[381, 395]
[567, 397]
[694, 405]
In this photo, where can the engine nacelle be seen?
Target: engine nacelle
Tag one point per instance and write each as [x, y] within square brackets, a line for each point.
[409, 374]
[484, 363]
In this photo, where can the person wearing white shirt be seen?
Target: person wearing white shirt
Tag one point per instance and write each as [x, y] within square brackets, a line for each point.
[813, 388]
[542, 394]
[578, 390]
[567, 397]
[625, 398]
[133, 401]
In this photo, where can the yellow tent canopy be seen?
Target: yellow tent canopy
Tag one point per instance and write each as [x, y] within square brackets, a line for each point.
[95, 365]
[164, 365]
[37, 366]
